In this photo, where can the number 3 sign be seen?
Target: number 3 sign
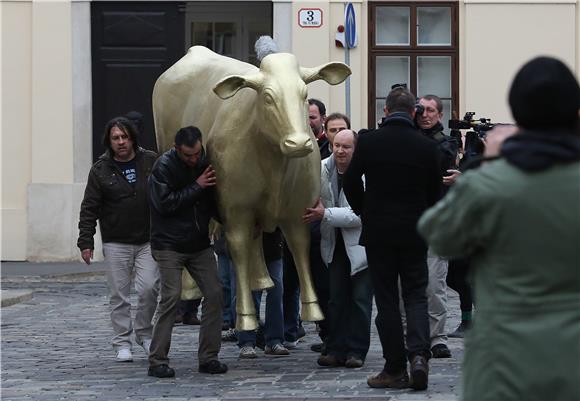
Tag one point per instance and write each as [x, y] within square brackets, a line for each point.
[310, 17]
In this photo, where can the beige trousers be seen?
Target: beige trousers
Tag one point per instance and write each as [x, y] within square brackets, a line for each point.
[203, 268]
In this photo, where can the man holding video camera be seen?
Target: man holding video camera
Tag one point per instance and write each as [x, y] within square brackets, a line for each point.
[428, 117]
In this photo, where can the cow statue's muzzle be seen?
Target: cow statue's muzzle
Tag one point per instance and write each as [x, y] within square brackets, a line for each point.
[296, 145]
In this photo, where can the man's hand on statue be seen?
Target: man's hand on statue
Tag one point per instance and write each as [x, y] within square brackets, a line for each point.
[207, 178]
[87, 255]
[314, 213]
[452, 177]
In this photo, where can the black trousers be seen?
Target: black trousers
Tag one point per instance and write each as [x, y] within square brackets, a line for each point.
[457, 280]
[349, 307]
[388, 263]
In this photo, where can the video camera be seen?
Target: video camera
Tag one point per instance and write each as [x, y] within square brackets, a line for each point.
[480, 126]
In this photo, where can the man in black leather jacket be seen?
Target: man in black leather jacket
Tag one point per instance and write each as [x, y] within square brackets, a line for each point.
[182, 203]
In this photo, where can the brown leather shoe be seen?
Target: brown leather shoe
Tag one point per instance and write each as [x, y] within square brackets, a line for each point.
[354, 362]
[330, 361]
[419, 373]
[385, 380]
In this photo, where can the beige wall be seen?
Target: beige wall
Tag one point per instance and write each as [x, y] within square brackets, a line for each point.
[498, 37]
[46, 133]
[315, 46]
[52, 92]
[45, 110]
[16, 124]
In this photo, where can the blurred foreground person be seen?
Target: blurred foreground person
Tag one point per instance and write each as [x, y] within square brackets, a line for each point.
[518, 219]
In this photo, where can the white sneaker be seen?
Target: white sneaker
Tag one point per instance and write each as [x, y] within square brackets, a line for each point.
[230, 335]
[291, 344]
[248, 352]
[146, 344]
[276, 350]
[124, 355]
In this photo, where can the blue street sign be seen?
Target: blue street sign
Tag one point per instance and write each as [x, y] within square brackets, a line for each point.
[350, 26]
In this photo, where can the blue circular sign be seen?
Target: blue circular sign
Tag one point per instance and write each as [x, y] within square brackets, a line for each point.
[350, 26]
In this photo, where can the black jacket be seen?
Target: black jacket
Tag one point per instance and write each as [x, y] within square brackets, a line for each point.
[180, 208]
[447, 145]
[402, 179]
[121, 208]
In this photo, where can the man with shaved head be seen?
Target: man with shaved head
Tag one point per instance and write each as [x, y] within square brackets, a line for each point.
[350, 303]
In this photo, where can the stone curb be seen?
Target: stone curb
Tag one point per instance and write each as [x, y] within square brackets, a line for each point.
[54, 278]
[13, 297]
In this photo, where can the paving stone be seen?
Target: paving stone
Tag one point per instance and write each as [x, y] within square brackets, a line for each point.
[56, 347]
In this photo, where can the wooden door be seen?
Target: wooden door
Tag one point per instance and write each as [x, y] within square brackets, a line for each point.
[132, 44]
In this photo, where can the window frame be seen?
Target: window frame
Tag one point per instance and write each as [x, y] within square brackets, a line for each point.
[413, 51]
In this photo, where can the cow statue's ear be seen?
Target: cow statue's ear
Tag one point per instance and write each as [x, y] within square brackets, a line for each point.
[229, 86]
[333, 73]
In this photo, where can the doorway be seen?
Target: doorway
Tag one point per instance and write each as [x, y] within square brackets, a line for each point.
[228, 28]
[134, 42]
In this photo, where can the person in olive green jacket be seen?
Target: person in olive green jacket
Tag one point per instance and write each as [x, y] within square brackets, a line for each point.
[518, 218]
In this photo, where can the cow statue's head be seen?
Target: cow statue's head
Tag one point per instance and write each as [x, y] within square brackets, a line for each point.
[282, 98]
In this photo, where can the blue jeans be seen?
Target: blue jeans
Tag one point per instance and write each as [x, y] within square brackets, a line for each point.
[274, 319]
[291, 298]
[228, 279]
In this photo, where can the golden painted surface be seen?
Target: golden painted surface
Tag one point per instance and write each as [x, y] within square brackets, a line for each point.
[256, 132]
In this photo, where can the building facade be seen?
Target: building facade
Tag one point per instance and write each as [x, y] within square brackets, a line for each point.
[70, 65]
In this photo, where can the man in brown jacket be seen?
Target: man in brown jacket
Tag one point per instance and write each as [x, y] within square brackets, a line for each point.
[116, 196]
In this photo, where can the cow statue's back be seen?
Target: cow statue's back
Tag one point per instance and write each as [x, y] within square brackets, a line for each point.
[256, 132]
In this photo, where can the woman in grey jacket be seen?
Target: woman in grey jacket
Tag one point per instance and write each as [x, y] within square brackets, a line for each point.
[351, 295]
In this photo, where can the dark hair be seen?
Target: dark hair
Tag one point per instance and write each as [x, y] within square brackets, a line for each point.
[437, 100]
[188, 136]
[319, 104]
[545, 95]
[337, 116]
[124, 125]
[137, 119]
[400, 100]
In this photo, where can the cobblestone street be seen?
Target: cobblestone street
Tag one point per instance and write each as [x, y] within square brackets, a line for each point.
[55, 346]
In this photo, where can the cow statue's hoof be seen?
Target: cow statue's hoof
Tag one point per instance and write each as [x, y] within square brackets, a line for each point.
[262, 283]
[311, 312]
[246, 322]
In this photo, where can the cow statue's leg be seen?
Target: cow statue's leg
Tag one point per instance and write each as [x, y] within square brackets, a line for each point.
[297, 237]
[244, 245]
[259, 276]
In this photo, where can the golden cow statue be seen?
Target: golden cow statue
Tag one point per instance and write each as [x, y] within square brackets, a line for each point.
[256, 132]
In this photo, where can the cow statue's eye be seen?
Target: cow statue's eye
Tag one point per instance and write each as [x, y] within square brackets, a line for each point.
[268, 99]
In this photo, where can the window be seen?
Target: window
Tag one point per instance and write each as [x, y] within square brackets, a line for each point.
[413, 43]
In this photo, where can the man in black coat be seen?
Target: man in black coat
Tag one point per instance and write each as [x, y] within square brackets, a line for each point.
[402, 173]
[182, 202]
